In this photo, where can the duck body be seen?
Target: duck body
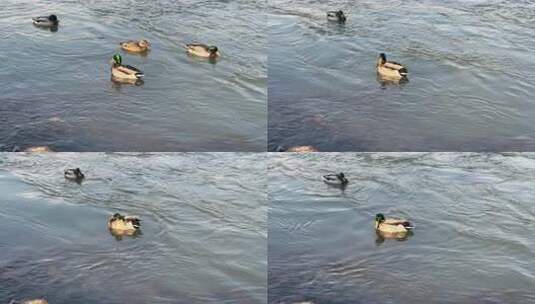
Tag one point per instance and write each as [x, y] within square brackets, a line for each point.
[46, 21]
[202, 50]
[336, 16]
[74, 174]
[36, 301]
[297, 149]
[335, 179]
[124, 225]
[120, 71]
[135, 46]
[390, 69]
[39, 149]
[393, 228]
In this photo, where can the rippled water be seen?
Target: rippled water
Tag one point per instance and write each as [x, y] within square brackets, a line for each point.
[471, 83]
[203, 228]
[56, 90]
[473, 241]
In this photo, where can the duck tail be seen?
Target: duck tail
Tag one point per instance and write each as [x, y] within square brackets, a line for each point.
[408, 225]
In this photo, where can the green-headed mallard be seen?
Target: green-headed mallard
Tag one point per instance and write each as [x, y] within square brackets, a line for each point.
[123, 225]
[337, 16]
[135, 46]
[74, 174]
[46, 21]
[335, 179]
[392, 228]
[124, 72]
[202, 50]
[390, 69]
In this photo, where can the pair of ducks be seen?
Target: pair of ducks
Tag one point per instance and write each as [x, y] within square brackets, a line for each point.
[388, 228]
[130, 73]
[118, 224]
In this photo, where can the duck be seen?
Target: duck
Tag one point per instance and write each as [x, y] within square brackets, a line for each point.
[337, 16]
[38, 149]
[124, 225]
[335, 179]
[74, 174]
[297, 149]
[397, 228]
[46, 21]
[390, 69]
[202, 50]
[135, 46]
[124, 72]
[35, 301]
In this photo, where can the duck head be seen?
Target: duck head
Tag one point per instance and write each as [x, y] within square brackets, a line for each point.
[340, 15]
[213, 50]
[382, 59]
[379, 218]
[117, 59]
[53, 18]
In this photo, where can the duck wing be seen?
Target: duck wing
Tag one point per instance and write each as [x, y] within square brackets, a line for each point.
[197, 46]
[402, 222]
[394, 66]
[133, 70]
[330, 177]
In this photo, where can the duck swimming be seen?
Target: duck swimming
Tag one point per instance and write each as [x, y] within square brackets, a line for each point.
[297, 149]
[74, 174]
[337, 16]
[335, 179]
[392, 228]
[36, 301]
[135, 46]
[46, 21]
[123, 225]
[202, 50]
[390, 69]
[124, 72]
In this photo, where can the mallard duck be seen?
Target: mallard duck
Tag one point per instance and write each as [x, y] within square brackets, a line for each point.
[126, 72]
[335, 179]
[397, 228]
[390, 69]
[297, 149]
[36, 301]
[135, 46]
[124, 225]
[337, 16]
[74, 174]
[39, 149]
[46, 21]
[202, 50]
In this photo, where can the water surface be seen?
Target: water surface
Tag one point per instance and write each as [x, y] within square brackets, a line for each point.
[473, 241]
[471, 84]
[203, 228]
[56, 90]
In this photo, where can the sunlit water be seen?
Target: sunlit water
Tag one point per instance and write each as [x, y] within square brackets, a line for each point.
[474, 218]
[203, 228]
[471, 78]
[55, 87]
